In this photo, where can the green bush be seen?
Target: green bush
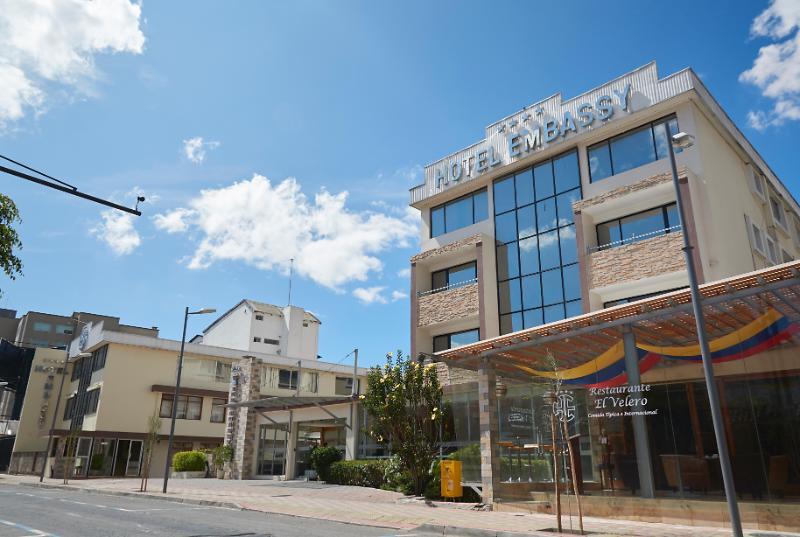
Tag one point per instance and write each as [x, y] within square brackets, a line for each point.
[395, 477]
[189, 461]
[321, 459]
[222, 454]
[367, 473]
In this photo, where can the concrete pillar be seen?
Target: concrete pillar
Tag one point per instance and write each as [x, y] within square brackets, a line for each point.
[352, 433]
[291, 448]
[640, 436]
[489, 435]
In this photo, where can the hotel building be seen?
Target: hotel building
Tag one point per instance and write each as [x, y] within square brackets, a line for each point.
[552, 251]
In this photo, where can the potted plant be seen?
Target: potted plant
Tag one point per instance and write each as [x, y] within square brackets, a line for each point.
[223, 455]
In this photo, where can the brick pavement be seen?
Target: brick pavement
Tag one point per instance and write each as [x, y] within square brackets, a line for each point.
[367, 506]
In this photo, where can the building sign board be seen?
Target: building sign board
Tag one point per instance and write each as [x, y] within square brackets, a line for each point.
[620, 401]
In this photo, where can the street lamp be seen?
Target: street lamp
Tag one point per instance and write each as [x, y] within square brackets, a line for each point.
[683, 141]
[177, 390]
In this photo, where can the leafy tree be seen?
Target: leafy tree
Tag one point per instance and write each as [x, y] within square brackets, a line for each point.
[9, 239]
[404, 400]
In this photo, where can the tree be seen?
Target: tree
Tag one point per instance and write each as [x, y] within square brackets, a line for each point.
[9, 239]
[404, 401]
[153, 428]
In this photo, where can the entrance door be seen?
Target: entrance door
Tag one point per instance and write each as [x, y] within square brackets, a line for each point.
[121, 458]
[271, 451]
[134, 458]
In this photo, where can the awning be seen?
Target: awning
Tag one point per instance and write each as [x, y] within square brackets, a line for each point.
[276, 403]
[744, 315]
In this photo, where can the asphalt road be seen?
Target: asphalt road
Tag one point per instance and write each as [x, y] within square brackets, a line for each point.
[37, 512]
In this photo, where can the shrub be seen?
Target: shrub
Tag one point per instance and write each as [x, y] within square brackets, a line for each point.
[189, 461]
[395, 476]
[368, 473]
[222, 454]
[321, 459]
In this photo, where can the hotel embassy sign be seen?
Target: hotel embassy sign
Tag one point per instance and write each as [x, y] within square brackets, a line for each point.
[530, 134]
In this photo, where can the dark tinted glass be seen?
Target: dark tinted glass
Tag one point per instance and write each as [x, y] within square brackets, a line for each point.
[564, 206]
[566, 171]
[569, 246]
[462, 273]
[481, 206]
[572, 282]
[553, 313]
[439, 279]
[633, 150]
[531, 292]
[528, 255]
[463, 338]
[526, 221]
[524, 184]
[533, 318]
[574, 308]
[505, 227]
[548, 250]
[510, 323]
[546, 215]
[509, 296]
[458, 214]
[437, 221]
[642, 223]
[599, 162]
[551, 287]
[608, 233]
[543, 178]
[673, 219]
[441, 343]
[507, 262]
[504, 195]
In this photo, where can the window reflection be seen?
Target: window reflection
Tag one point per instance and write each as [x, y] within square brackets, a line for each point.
[459, 213]
[640, 226]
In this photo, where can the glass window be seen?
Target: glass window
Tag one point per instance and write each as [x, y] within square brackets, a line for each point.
[777, 211]
[194, 407]
[462, 273]
[636, 227]
[287, 379]
[188, 407]
[643, 223]
[660, 135]
[551, 287]
[633, 150]
[569, 245]
[504, 195]
[554, 313]
[63, 329]
[524, 187]
[564, 203]
[599, 162]
[531, 292]
[458, 214]
[526, 221]
[437, 221]
[572, 282]
[533, 318]
[608, 233]
[566, 171]
[218, 410]
[507, 262]
[456, 339]
[509, 298]
[546, 215]
[529, 255]
[222, 372]
[548, 250]
[758, 238]
[42, 327]
[309, 381]
[543, 178]
[510, 323]
[673, 218]
[574, 308]
[344, 385]
[92, 399]
[256, 339]
[99, 358]
[439, 279]
[505, 227]
[441, 343]
[480, 206]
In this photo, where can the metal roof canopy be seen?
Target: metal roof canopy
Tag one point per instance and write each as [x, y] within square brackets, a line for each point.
[279, 403]
[664, 320]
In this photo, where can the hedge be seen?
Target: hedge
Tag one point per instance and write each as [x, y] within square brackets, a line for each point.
[366, 473]
[189, 461]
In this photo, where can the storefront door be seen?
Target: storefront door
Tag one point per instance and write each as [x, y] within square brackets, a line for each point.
[271, 451]
[128, 458]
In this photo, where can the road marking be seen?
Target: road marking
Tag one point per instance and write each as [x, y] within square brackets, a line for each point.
[33, 532]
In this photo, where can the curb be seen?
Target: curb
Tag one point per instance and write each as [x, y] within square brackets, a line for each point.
[147, 495]
[467, 532]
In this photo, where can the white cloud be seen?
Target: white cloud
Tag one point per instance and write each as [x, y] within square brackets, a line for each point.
[776, 70]
[53, 42]
[117, 231]
[370, 295]
[404, 273]
[195, 148]
[398, 295]
[266, 225]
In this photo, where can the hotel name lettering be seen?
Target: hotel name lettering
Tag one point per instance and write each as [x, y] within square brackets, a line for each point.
[531, 136]
[620, 401]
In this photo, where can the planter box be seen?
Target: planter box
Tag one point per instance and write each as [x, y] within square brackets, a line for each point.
[188, 475]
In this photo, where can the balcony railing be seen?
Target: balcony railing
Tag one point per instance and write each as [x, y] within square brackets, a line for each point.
[633, 239]
[447, 287]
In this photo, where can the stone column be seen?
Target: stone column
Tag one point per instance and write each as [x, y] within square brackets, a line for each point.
[489, 433]
[241, 433]
[640, 437]
[352, 433]
[291, 448]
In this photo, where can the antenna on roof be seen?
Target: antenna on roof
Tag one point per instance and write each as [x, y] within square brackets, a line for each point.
[291, 267]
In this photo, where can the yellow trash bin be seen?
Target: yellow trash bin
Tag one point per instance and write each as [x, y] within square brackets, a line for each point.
[451, 479]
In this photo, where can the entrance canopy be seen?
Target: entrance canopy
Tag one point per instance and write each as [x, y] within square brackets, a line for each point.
[744, 315]
[279, 403]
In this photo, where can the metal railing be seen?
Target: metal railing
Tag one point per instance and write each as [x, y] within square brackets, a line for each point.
[447, 287]
[633, 239]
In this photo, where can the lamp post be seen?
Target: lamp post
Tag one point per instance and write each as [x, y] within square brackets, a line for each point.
[178, 389]
[683, 140]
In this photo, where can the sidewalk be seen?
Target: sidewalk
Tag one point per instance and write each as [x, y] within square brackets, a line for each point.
[360, 505]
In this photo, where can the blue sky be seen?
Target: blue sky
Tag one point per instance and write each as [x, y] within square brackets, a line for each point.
[341, 96]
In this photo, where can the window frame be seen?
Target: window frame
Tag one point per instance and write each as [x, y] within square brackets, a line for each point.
[607, 143]
[293, 379]
[450, 335]
[443, 207]
[188, 398]
[775, 201]
[622, 242]
[447, 271]
[772, 250]
[758, 235]
[216, 403]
